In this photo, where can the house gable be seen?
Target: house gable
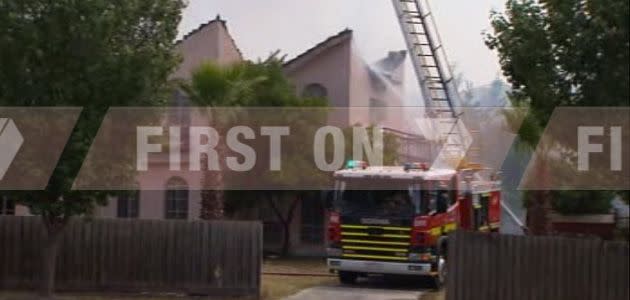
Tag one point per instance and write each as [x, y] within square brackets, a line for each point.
[327, 66]
[209, 42]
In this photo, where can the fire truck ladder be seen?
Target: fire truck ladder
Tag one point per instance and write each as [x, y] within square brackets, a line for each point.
[434, 74]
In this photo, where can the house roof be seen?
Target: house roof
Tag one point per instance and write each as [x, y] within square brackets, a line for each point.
[298, 60]
[204, 25]
[311, 53]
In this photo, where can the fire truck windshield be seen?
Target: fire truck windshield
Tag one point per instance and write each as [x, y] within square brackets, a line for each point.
[355, 197]
[401, 198]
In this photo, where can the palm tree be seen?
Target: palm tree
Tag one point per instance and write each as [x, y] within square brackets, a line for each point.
[216, 86]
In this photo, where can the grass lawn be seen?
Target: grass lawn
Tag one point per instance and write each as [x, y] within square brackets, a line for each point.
[278, 287]
[295, 265]
[441, 295]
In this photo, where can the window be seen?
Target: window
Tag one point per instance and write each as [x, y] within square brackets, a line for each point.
[176, 206]
[7, 206]
[312, 229]
[128, 205]
[315, 90]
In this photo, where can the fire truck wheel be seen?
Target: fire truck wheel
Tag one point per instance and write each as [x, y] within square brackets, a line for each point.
[348, 277]
[440, 278]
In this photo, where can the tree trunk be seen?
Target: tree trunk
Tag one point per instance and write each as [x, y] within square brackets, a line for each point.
[212, 195]
[286, 239]
[539, 208]
[212, 200]
[285, 221]
[538, 222]
[54, 232]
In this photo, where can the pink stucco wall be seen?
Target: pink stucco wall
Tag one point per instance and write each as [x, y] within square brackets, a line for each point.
[152, 202]
[210, 43]
[330, 68]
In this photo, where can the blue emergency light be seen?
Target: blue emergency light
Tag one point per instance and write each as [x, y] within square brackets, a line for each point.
[356, 164]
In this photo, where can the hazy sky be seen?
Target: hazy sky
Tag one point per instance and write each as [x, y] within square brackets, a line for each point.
[293, 26]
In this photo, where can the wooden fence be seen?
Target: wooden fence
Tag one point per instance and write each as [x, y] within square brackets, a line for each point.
[209, 258]
[483, 266]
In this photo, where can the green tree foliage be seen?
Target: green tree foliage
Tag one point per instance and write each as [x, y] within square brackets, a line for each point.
[246, 84]
[563, 53]
[86, 53]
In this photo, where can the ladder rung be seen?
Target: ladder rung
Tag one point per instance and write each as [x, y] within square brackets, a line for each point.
[429, 66]
[416, 14]
[418, 32]
[428, 45]
[415, 22]
[435, 88]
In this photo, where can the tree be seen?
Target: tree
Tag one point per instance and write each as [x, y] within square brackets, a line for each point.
[216, 86]
[92, 54]
[561, 53]
[245, 84]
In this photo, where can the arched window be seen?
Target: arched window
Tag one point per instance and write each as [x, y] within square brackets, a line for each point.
[176, 204]
[315, 90]
[128, 204]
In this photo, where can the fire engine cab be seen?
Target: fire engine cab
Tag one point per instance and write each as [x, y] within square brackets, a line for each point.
[396, 220]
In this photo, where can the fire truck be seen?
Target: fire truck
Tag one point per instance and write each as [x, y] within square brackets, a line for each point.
[396, 220]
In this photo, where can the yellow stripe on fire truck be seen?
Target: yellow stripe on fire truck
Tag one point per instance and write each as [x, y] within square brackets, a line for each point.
[375, 242]
[375, 248]
[443, 229]
[401, 236]
[374, 256]
[381, 227]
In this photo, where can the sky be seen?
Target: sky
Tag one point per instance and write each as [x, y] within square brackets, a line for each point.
[262, 26]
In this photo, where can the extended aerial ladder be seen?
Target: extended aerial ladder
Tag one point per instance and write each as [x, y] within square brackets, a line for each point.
[437, 82]
[435, 77]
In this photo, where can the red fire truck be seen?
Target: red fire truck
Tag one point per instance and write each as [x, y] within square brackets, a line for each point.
[396, 220]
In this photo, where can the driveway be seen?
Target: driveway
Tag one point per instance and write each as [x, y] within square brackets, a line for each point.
[364, 290]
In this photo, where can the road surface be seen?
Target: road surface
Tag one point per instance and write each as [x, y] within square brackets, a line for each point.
[364, 290]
